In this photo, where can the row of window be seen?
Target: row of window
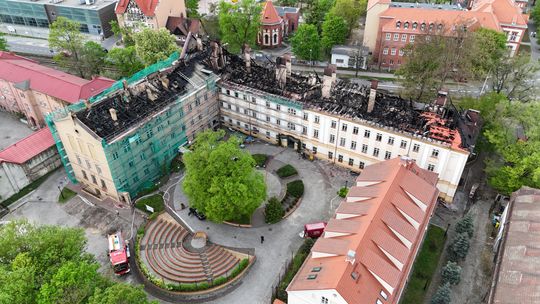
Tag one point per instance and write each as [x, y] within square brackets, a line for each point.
[403, 37]
[423, 25]
[393, 51]
[94, 180]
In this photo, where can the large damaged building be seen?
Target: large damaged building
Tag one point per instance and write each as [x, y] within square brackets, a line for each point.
[123, 140]
[345, 123]
[118, 142]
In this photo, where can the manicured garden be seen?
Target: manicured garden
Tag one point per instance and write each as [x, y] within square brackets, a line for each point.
[260, 160]
[155, 201]
[286, 171]
[425, 266]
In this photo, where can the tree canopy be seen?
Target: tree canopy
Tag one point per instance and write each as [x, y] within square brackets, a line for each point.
[48, 264]
[65, 37]
[192, 8]
[350, 11]
[3, 43]
[305, 42]
[220, 178]
[126, 33]
[317, 11]
[239, 23]
[125, 60]
[334, 31]
[154, 45]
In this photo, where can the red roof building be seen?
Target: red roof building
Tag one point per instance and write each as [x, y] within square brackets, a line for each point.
[368, 248]
[35, 90]
[138, 14]
[276, 23]
[27, 160]
[390, 27]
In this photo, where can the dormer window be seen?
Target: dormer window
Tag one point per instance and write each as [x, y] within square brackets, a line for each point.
[414, 25]
[431, 25]
[398, 24]
[423, 26]
[406, 25]
[439, 27]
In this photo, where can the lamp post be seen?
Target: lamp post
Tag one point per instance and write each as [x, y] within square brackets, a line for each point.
[310, 58]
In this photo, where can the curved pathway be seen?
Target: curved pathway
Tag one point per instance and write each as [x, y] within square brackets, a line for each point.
[321, 181]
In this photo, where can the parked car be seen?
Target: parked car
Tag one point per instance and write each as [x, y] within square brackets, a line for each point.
[197, 214]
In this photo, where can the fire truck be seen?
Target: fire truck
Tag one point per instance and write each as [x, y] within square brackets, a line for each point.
[118, 253]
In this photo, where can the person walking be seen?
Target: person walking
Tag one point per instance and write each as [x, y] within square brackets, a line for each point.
[262, 239]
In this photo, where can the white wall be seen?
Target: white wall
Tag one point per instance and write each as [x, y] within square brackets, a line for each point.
[12, 179]
[448, 164]
[343, 64]
[315, 297]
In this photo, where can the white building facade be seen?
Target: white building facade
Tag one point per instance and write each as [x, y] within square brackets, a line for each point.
[343, 141]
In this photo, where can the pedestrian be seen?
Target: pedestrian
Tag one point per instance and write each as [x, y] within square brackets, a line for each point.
[117, 213]
[262, 239]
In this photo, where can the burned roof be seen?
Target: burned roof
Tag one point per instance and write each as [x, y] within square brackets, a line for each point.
[445, 124]
[115, 114]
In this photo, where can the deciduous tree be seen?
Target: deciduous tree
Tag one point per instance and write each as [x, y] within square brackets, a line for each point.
[192, 8]
[126, 33]
[220, 178]
[317, 11]
[154, 45]
[125, 60]
[334, 31]
[93, 59]
[350, 11]
[305, 42]
[489, 49]
[65, 37]
[273, 212]
[239, 23]
[120, 294]
[515, 77]
[3, 43]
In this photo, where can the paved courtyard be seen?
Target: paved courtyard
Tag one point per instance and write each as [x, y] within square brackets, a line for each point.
[281, 240]
[11, 130]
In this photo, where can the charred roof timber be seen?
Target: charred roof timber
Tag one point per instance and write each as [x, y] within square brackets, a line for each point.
[440, 121]
[116, 114]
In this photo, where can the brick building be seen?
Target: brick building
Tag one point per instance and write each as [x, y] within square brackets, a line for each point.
[276, 23]
[35, 90]
[153, 14]
[390, 26]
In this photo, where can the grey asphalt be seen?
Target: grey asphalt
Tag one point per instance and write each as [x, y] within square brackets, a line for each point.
[12, 130]
[321, 180]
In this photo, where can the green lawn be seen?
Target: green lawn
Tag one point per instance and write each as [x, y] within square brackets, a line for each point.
[66, 195]
[425, 265]
[260, 159]
[155, 201]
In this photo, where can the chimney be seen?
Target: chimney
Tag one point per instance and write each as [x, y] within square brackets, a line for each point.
[150, 94]
[165, 81]
[281, 72]
[124, 84]
[199, 44]
[247, 57]
[112, 111]
[328, 80]
[372, 95]
[288, 64]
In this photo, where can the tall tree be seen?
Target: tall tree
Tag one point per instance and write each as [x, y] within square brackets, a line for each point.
[154, 45]
[120, 294]
[239, 23]
[515, 77]
[350, 11]
[489, 49]
[125, 60]
[305, 42]
[93, 59]
[451, 273]
[220, 179]
[65, 37]
[317, 11]
[334, 31]
[192, 8]
[125, 33]
[442, 295]
[3, 43]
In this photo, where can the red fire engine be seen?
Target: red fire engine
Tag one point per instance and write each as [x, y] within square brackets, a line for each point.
[118, 253]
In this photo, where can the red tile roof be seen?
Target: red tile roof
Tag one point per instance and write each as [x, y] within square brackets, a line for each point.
[270, 14]
[147, 7]
[64, 86]
[385, 239]
[28, 147]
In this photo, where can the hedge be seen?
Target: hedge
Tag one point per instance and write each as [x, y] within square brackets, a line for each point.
[260, 159]
[295, 188]
[286, 171]
[273, 212]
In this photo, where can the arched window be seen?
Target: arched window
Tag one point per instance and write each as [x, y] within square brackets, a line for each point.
[440, 26]
[398, 24]
[431, 26]
[266, 40]
[423, 26]
[415, 25]
[406, 25]
[275, 38]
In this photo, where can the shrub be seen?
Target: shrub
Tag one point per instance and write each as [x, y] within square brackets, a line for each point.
[459, 248]
[273, 211]
[219, 281]
[295, 188]
[465, 225]
[140, 231]
[241, 266]
[260, 159]
[343, 192]
[176, 164]
[286, 171]
[442, 296]
[451, 273]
